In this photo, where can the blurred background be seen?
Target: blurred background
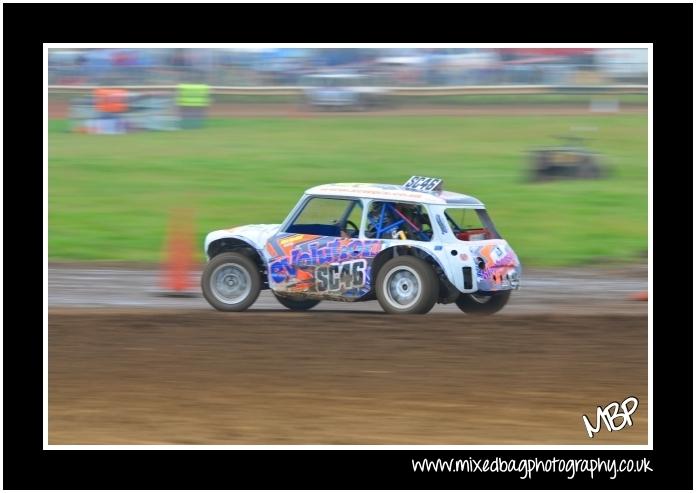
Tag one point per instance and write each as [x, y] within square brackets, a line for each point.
[389, 66]
[150, 149]
[553, 140]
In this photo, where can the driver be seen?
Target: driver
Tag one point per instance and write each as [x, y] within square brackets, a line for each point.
[416, 218]
[373, 218]
[415, 222]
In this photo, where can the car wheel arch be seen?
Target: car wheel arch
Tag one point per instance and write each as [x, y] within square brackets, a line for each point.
[224, 245]
[389, 253]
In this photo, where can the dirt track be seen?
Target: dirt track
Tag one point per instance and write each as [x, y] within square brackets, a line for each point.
[129, 367]
[268, 377]
[576, 291]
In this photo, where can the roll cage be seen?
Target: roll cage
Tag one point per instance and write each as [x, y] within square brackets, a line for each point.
[380, 227]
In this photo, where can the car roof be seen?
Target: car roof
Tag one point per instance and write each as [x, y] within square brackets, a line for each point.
[380, 191]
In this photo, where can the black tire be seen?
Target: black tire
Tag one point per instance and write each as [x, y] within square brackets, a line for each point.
[296, 304]
[416, 275]
[488, 305]
[229, 270]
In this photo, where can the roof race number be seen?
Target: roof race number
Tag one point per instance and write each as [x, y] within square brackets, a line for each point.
[423, 184]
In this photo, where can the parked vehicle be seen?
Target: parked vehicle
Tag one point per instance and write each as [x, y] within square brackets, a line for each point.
[342, 90]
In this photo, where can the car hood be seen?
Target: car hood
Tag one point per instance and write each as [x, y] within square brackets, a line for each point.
[254, 234]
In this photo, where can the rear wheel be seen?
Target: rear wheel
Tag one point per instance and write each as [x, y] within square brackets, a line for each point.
[296, 304]
[476, 304]
[406, 285]
[231, 282]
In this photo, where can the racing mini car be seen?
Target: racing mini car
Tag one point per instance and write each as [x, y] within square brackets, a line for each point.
[407, 246]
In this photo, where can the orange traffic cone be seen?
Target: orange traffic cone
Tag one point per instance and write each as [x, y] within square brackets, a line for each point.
[177, 278]
[641, 296]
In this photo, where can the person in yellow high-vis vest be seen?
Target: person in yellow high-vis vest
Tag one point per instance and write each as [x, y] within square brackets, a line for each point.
[193, 100]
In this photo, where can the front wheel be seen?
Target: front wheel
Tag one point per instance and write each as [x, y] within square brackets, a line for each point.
[231, 282]
[406, 285]
[295, 304]
[477, 304]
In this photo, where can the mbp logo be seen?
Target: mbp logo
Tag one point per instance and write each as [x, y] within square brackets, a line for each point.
[609, 414]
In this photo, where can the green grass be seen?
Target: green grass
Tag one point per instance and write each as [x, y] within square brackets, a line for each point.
[463, 100]
[111, 196]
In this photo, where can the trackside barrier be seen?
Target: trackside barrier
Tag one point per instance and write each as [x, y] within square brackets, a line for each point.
[397, 91]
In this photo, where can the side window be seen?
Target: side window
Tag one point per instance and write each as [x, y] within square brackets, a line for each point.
[471, 224]
[351, 227]
[328, 217]
[398, 220]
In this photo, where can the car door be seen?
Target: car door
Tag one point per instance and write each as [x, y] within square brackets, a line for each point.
[320, 254]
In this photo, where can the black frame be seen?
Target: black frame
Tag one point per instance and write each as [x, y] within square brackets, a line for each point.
[668, 26]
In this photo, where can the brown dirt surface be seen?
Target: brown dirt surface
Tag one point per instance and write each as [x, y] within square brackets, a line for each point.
[269, 377]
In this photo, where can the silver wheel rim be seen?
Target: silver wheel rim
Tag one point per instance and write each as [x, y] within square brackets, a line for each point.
[480, 299]
[402, 287]
[230, 284]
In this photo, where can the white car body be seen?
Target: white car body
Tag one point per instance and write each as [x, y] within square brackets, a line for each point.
[290, 260]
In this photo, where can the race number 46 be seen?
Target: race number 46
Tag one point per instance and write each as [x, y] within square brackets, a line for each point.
[423, 184]
[341, 277]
